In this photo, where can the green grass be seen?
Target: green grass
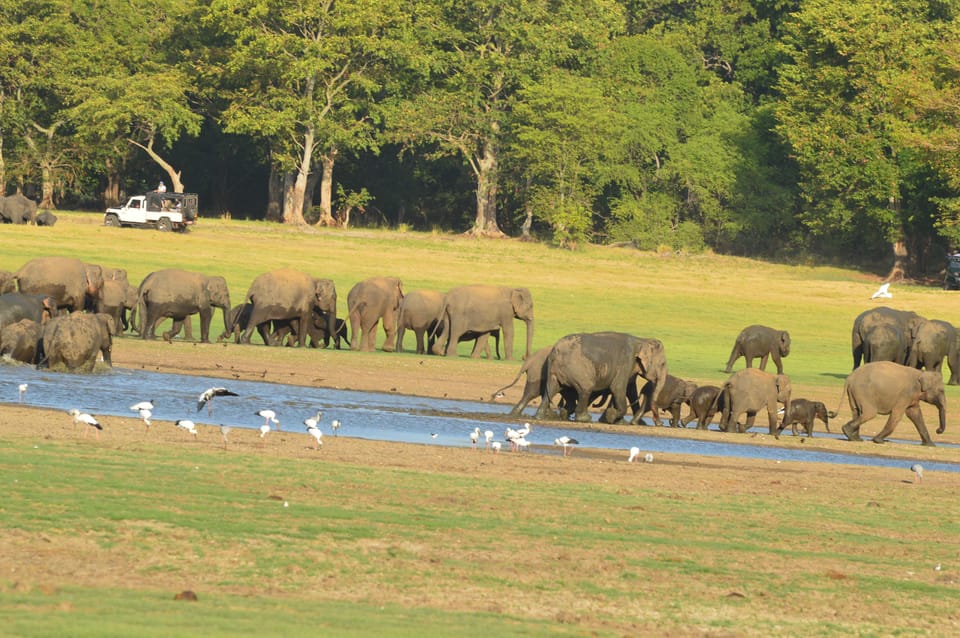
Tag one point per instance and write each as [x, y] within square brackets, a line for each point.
[368, 550]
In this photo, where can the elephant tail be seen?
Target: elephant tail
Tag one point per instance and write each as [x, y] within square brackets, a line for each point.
[833, 413]
[438, 322]
[523, 370]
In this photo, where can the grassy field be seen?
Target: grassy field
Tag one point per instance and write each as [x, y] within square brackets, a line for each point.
[384, 539]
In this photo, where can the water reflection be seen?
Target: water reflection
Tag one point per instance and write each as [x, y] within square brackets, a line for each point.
[370, 415]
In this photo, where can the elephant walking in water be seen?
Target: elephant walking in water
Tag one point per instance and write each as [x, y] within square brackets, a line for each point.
[884, 387]
[74, 341]
[178, 294]
[674, 394]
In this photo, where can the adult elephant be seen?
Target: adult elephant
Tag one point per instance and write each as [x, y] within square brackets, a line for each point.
[749, 391]
[177, 294]
[885, 342]
[934, 340]
[74, 341]
[884, 387]
[760, 342]
[7, 282]
[17, 209]
[15, 306]
[480, 308]
[288, 294]
[419, 312]
[20, 341]
[368, 303]
[74, 284]
[673, 395]
[704, 403]
[591, 363]
[905, 321]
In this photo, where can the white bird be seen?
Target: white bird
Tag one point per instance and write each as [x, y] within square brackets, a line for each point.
[317, 436]
[143, 405]
[145, 414]
[23, 390]
[269, 416]
[648, 457]
[187, 425]
[917, 470]
[264, 429]
[474, 437]
[206, 397]
[87, 420]
[566, 442]
[511, 436]
[634, 453]
[495, 446]
[314, 421]
[224, 431]
[883, 292]
[488, 437]
[335, 426]
[522, 444]
[525, 430]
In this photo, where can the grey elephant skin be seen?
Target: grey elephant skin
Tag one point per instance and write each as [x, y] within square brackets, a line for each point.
[803, 413]
[368, 303]
[74, 284]
[7, 282]
[749, 391]
[15, 306]
[117, 299]
[884, 387]
[760, 342]
[317, 336]
[288, 294]
[177, 294]
[589, 363]
[20, 341]
[705, 402]
[673, 395]
[904, 322]
[73, 341]
[17, 209]
[420, 311]
[483, 309]
[933, 341]
[46, 218]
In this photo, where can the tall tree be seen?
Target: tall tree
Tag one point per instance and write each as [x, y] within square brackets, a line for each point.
[484, 53]
[302, 77]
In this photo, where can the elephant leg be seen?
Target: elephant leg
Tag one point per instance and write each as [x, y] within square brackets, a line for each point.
[175, 329]
[916, 416]
[390, 328]
[891, 424]
[852, 428]
[734, 355]
[751, 419]
[772, 416]
[205, 317]
[550, 388]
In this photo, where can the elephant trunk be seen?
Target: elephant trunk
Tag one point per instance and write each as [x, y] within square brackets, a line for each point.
[526, 355]
[942, 409]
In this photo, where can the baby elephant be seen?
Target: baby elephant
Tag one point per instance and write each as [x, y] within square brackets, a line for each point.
[803, 412]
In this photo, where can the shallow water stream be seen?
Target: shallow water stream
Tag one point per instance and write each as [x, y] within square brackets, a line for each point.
[370, 415]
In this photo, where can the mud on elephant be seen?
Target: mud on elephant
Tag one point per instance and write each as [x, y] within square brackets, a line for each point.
[177, 294]
[20, 341]
[73, 341]
[591, 363]
[884, 387]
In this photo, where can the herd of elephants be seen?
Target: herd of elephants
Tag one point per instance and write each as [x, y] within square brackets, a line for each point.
[63, 312]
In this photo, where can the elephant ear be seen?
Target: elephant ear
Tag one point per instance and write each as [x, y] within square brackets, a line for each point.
[648, 353]
[522, 302]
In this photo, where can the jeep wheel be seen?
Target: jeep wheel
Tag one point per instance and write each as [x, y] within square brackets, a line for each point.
[164, 225]
[111, 220]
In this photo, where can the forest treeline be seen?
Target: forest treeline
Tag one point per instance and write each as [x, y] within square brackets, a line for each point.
[788, 129]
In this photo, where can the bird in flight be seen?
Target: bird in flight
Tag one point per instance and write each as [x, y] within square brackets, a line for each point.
[207, 396]
[883, 292]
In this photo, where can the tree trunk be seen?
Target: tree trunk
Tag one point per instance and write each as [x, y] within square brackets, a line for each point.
[274, 195]
[308, 197]
[46, 188]
[900, 256]
[111, 193]
[326, 189]
[485, 224]
[3, 168]
[175, 182]
[293, 205]
[528, 207]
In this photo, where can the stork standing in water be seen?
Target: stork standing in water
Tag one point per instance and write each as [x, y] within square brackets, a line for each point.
[335, 427]
[269, 416]
[488, 438]
[566, 442]
[206, 398]
[313, 421]
[474, 437]
[23, 391]
[512, 436]
[87, 420]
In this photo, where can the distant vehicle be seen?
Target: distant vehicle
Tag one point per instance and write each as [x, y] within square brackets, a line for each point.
[163, 211]
[952, 279]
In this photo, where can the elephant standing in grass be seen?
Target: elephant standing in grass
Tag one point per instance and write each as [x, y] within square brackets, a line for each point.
[705, 402]
[20, 341]
[288, 294]
[17, 209]
[591, 363]
[804, 412]
[933, 341]
[419, 311]
[674, 394]
[480, 309]
[178, 294]
[905, 322]
[884, 387]
[74, 284]
[751, 390]
[73, 341]
[885, 342]
[763, 342]
[117, 299]
[369, 302]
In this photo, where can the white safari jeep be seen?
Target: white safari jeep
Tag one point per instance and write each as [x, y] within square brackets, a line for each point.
[163, 211]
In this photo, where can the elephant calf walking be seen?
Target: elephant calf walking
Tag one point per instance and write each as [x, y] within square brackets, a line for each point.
[804, 412]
